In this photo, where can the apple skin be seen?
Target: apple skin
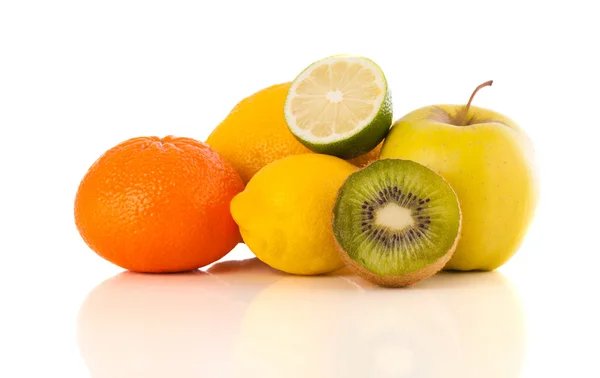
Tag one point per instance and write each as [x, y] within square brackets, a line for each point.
[490, 164]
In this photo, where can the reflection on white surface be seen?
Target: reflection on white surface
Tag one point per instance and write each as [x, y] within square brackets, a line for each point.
[243, 319]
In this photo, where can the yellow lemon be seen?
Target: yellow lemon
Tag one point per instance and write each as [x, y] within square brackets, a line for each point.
[255, 134]
[285, 213]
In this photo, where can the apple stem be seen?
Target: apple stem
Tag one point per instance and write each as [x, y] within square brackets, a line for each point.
[461, 117]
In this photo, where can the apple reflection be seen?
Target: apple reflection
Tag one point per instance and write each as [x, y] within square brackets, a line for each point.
[489, 316]
[244, 319]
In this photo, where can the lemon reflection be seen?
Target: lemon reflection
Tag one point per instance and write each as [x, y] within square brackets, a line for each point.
[243, 319]
[343, 327]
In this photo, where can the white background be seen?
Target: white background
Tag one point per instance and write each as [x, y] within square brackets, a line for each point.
[78, 77]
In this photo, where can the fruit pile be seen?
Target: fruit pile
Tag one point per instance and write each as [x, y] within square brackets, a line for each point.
[313, 176]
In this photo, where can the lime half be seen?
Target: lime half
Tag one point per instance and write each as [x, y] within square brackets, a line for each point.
[340, 106]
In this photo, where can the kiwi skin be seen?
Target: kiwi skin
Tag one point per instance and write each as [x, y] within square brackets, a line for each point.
[400, 280]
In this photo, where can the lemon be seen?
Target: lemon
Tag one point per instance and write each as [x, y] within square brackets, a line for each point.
[255, 134]
[285, 213]
[340, 106]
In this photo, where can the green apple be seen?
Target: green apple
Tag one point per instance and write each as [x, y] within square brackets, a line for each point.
[489, 161]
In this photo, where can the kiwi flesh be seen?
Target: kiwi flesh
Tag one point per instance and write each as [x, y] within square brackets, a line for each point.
[396, 222]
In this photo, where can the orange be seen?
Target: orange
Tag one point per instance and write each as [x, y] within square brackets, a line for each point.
[255, 134]
[158, 205]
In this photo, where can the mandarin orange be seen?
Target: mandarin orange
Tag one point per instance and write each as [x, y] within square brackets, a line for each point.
[159, 205]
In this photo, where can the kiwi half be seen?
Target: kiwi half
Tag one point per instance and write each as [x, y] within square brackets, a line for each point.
[396, 222]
